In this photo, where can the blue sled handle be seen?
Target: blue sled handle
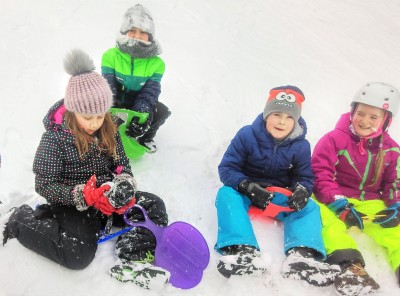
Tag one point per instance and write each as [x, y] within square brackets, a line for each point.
[112, 235]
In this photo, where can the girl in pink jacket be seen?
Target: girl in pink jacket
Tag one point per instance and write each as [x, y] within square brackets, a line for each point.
[357, 182]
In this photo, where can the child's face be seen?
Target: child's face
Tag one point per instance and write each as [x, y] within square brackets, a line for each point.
[367, 119]
[138, 34]
[90, 123]
[279, 124]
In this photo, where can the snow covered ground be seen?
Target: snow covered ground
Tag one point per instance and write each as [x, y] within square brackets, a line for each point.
[222, 58]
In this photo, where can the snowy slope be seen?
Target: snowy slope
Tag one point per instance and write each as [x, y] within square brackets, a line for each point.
[222, 57]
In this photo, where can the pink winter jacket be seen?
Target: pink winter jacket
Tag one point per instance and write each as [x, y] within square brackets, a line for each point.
[341, 169]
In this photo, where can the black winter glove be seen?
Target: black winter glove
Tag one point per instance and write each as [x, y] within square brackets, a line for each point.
[264, 184]
[258, 196]
[136, 129]
[298, 200]
[390, 216]
[346, 212]
[122, 191]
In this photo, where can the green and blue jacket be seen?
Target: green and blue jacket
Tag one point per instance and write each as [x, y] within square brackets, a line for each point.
[135, 82]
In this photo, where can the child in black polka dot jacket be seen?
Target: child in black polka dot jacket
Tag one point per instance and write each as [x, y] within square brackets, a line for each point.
[82, 171]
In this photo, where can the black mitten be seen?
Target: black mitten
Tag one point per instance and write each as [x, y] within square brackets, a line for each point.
[258, 196]
[346, 212]
[122, 191]
[390, 217]
[264, 184]
[136, 129]
[298, 200]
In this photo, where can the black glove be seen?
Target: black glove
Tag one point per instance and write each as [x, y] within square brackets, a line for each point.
[122, 192]
[346, 212]
[264, 184]
[298, 200]
[136, 129]
[259, 197]
[390, 216]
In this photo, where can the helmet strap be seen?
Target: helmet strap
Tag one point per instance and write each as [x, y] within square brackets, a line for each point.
[387, 121]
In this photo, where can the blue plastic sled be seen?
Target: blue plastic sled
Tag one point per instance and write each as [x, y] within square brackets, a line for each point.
[132, 148]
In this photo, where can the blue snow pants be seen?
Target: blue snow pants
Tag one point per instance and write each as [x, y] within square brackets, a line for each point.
[301, 229]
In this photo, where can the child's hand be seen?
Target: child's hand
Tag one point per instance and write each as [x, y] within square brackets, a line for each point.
[390, 217]
[123, 209]
[298, 200]
[136, 129]
[258, 196]
[95, 196]
[121, 193]
[91, 193]
[104, 206]
[265, 184]
[351, 217]
[346, 212]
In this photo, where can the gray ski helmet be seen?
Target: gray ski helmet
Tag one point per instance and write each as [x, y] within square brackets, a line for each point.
[378, 94]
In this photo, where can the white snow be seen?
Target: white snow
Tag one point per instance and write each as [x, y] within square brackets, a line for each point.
[222, 58]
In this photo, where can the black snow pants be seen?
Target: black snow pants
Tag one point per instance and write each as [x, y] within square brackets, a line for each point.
[69, 237]
[161, 113]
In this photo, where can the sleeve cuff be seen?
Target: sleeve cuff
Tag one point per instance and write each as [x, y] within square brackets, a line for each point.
[126, 177]
[79, 198]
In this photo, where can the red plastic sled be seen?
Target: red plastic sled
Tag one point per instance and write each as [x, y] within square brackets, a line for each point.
[272, 210]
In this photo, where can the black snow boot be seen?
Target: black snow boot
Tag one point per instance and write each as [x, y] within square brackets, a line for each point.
[301, 264]
[355, 281]
[149, 144]
[142, 274]
[241, 260]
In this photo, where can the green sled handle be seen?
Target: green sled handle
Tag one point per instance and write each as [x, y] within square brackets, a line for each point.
[132, 148]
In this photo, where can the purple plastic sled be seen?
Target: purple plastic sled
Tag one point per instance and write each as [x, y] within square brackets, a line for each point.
[181, 249]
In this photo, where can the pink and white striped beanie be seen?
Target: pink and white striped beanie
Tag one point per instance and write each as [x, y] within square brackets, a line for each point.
[87, 91]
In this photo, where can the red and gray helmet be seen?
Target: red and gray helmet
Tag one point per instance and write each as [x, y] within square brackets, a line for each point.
[378, 94]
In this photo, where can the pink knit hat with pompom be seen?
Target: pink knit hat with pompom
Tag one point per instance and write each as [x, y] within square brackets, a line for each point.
[87, 91]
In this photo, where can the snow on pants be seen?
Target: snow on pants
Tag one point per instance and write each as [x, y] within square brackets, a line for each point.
[301, 229]
[336, 236]
[60, 233]
[135, 245]
[69, 237]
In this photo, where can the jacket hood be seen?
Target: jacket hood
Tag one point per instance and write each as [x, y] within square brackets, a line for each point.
[54, 119]
[299, 131]
[343, 124]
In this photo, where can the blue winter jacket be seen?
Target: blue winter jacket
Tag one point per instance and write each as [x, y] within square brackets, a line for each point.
[253, 154]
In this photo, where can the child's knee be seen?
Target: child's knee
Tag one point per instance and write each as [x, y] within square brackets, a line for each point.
[80, 257]
[227, 195]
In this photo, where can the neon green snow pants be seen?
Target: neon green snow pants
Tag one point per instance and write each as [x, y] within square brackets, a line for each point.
[336, 236]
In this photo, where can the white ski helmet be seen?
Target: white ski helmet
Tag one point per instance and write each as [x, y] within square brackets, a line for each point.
[378, 94]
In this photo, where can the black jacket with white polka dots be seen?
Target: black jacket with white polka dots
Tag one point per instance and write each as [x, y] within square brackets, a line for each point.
[58, 167]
